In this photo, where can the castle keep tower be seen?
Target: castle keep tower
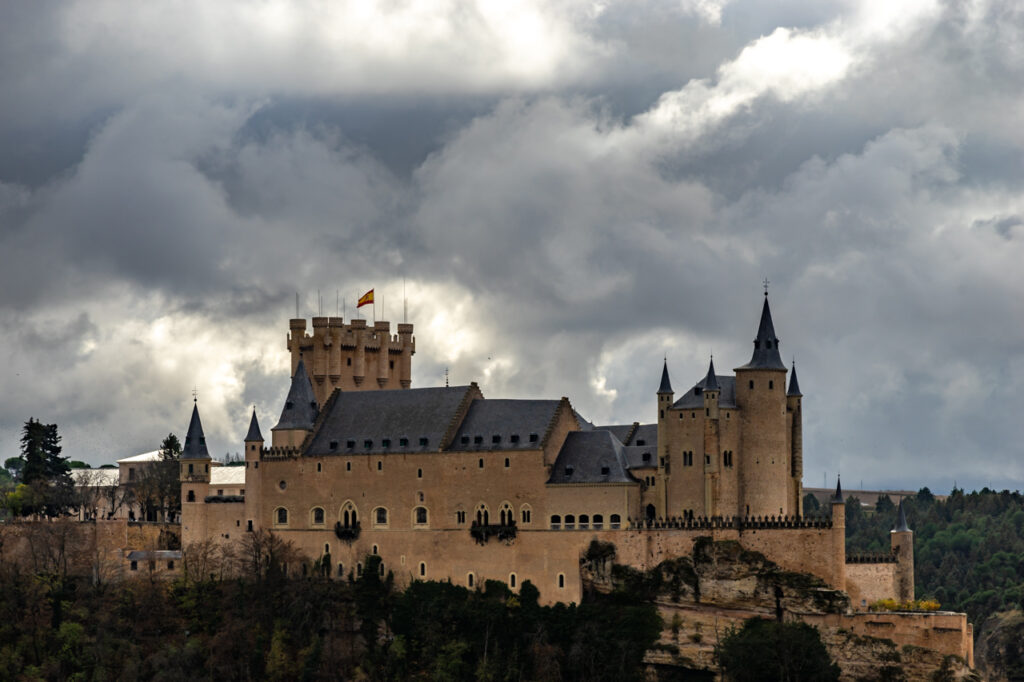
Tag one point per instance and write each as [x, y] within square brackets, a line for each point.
[765, 471]
[352, 357]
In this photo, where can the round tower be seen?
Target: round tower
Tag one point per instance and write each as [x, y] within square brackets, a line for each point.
[902, 541]
[794, 413]
[765, 469]
[195, 481]
[839, 538]
[712, 450]
[665, 395]
[253, 452]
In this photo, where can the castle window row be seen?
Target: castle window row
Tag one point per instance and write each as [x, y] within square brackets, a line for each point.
[384, 443]
[584, 522]
[420, 516]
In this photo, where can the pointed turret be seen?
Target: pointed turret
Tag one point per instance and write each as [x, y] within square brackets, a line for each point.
[300, 408]
[794, 385]
[254, 434]
[766, 345]
[838, 497]
[195, 439]
[901, 520]
[711, 381]
[666, 385]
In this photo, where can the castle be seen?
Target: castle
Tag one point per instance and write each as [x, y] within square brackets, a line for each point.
[445, 484]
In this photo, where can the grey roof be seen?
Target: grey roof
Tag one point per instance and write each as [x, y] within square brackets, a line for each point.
[794, 385]
[694, 398]
[491, 424]
[585, 425]
[838, 497]
[766, 345]
[646, 435]
[635, 456]
[195, 439]
[901, 520]
[586, 455]
[710, 381]
[666, 385]
[153, 554]
[624, 432]
[359, 422]
[300, 407]
[254, 429]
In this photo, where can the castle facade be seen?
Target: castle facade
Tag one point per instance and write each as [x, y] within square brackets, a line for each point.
[445, 484]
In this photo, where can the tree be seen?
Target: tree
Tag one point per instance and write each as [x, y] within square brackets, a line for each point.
[14, 465]
[158, 489]
[45, 470]
[769, 650]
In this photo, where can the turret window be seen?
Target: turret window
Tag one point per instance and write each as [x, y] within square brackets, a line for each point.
[318, 516]
[281, 516]
[771, 385]
[751, 383]
[191, 496]
[556, 522]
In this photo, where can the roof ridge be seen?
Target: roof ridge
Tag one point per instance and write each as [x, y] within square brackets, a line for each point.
[460, 414]
[632, 433]
[564, 402]
[321, 417]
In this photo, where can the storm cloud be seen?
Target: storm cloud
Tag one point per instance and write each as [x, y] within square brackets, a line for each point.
[568, 192]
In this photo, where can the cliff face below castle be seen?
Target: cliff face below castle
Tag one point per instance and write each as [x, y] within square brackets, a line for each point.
[1000, 651]
[702, 596]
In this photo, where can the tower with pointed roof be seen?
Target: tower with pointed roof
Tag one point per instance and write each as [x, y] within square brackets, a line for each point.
[712, 465]
[901, 539]
[195, 476]
[299, 412]
[253, 451]
[766, 468]
[794, 416]
[665, 395]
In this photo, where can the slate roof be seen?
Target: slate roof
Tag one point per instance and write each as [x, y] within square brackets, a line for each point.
[254, 429]
[621, 431]
[794, 385]
[666, 385]
[492, 424]
[195, 439]
[584, 457]
[694, 398]
[901, 521]
[646, 435]
[300, 408]
[364, 420]
[711, 381]
[635, 456]
[766, 345]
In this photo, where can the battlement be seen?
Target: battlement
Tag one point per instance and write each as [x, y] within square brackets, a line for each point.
[353, 356]
[279, 452]
[730, 522]
[872, 558]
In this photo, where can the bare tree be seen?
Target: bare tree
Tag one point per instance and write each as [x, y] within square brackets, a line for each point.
[262, 554]
[204, 560]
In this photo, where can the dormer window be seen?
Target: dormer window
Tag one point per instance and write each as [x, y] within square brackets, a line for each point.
[404, 442]
[646, 457]
[495, 438]
[514, 438]
[464, 440]
[386, 443]
[367, 444]
[568, 471]
[334, 445]
[605, 471]
[641, 442]
[424, 441]
[696, 390]
[289, 405]
[533, 437]
[477, 440]
[350, 444]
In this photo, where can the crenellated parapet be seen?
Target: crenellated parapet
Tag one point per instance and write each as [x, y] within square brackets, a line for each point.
[352, 356]
[731, 523]
[872, 558]
[280, 452]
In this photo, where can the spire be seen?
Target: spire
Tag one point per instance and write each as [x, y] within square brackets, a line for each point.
[195, 439]
[666, 385]
[254, 429]
[901, 521]
[300, 408]
[794, 385]
[711, 381]
[766, 345]
[838, 497]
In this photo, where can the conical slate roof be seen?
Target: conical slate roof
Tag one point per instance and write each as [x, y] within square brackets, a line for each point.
[254, 429]
[300, 408]
[838, 497]
[711, 381]
[195, 439]
[794, 385]
[666, 385]
[766, 345]
[901, 521]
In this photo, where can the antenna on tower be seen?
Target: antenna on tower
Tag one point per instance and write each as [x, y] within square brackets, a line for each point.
[296, 304]
[405, 304]
[195, 394]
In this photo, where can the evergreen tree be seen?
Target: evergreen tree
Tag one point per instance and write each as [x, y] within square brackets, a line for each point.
[45, 470]
[768, 650]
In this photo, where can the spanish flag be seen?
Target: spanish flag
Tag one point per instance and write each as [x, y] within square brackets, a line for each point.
[365, 299]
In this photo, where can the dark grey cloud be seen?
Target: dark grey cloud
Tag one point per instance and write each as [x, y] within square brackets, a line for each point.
[570, 199]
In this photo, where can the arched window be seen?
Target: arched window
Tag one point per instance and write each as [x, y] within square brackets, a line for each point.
[650, 512]
[380, 516]
[508, 517]
[561, 580]
[570, 522]
[598, 522]
[281, 515]
[525, 514]
[348, 516]
[469, 580]
[423, 569]
[191, 496]
[420, 516]
[512, 580]
[318, 516]
[615, 521]
[483, 517]
[584, 522]
[556, 522]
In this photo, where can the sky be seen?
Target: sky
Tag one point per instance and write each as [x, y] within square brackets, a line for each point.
[569, 192]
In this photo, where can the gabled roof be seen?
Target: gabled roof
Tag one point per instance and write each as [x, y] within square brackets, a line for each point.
[195, 439]
[641, 456]
[794, 385]
[666, 385]
[586, 456]
[645, 435]
[624, 432]
[694, 398]
[491, 425]
[366, 419]
[254, 429]
[153, 456]
[300, 408]
[766, 345]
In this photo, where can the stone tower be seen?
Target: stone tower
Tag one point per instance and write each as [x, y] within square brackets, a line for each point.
[902, 539]
[353, 356]
[839, 537]
[712, 464]
[794, 416]
[665, 395]
[299, 412]
[253, 450]
[765, 471]
[195, 478]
